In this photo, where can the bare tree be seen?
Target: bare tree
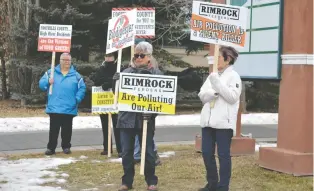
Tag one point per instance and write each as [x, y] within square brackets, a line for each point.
[173, 19]
[4, 41]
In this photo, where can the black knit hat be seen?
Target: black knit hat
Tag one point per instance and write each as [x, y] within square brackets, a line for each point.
[114, 54]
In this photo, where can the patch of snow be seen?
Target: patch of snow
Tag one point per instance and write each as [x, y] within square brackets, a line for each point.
[259, 145]
[118, 160]
[86, 122]
[83, 157]
[90, 189]
[61, 181]
[109, 184]
[96, 161]
[28, 174]
[166, 154]
[64, 175]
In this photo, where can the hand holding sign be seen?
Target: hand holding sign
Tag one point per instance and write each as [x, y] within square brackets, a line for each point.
[51, 81]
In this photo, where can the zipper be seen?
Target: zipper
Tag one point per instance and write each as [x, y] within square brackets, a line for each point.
[210, 115]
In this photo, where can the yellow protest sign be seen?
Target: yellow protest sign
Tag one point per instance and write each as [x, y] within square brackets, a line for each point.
[147, 93]
[102, 101]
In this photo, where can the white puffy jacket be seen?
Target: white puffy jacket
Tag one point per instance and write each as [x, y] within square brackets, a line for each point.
[225, 90]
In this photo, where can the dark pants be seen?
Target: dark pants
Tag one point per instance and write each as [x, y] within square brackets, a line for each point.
[221, 137]
[116, 131]
[65, 122]
[127, 140]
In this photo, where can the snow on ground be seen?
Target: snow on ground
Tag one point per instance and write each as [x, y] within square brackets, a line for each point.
[259, 145]
[83, 157]
[115, 160]
[28, 174]
[166, 154]
[42, 123]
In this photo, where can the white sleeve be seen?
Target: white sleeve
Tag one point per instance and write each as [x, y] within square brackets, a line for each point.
[230, 92]
[207, 94]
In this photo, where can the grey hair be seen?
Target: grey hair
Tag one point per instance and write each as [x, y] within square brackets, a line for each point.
[154, 62]
[65, 54]
[144, 47]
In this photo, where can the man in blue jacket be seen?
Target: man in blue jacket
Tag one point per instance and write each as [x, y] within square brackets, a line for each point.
[62, 105]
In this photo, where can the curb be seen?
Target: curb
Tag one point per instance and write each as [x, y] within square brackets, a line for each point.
[100, 147]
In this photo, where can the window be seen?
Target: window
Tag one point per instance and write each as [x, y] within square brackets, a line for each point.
[238, 2]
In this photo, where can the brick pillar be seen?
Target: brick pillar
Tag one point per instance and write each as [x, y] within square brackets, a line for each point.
[294, 151]
[239, 145]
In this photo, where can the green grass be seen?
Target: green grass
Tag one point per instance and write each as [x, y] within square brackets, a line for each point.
[184, 171]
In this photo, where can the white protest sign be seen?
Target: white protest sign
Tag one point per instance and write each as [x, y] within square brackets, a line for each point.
[145, 20]
[147, 93]
[54, 38]
[219, 24]
[121, 32]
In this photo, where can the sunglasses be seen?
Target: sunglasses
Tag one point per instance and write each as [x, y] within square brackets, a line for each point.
[139, 55]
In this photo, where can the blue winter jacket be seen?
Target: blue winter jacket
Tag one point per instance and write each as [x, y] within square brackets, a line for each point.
[67, 91]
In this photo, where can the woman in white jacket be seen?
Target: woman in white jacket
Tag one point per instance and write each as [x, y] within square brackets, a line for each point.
[220, 95]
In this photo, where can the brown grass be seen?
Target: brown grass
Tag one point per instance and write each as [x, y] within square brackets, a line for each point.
[184, 171]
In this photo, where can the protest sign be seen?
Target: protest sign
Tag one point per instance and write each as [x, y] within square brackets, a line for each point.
[54, 38]
[145, 20]
[147, 93]
[121, 32]
[102, 101]
[219, 24]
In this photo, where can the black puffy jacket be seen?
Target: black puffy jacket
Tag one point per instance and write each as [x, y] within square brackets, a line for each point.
[103, 76]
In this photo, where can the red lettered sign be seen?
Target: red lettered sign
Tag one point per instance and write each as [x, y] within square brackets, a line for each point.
[54, 38]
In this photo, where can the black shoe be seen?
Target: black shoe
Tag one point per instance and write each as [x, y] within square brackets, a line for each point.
[206, 188]
[67, 151]
[203, 189]
[125, 188]
[221, 189]
[50, 152]
[104, 153]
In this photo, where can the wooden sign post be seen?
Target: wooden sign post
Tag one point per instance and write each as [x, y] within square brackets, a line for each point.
[219, 29]
[54, 38]
[109, 134]
[145, 17]
[146, 105]
[216, 56]
[53, 61]
[117, 43]
[116, 95]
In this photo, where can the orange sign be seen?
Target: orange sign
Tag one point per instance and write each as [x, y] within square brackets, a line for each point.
[218, 24]
[54, 38]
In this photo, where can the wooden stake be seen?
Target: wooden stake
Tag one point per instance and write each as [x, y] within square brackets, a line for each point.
[116, 94]
[132, 53]
[109, 134]
[53, 61]
[216, 56]
[143, 151]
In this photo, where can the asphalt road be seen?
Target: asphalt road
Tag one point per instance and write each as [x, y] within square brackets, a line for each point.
[93, 137]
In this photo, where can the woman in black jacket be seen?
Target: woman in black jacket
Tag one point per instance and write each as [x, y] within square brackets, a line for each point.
[103, 78]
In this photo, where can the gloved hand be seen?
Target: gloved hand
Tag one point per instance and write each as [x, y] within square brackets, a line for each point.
[116, 76]
[147, 116]
[106, 86]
